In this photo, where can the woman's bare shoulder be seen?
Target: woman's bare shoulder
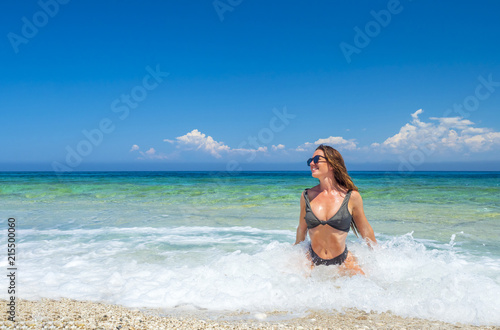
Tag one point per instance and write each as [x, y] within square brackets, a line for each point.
[311, 192]
[314, 189]
[356, 197]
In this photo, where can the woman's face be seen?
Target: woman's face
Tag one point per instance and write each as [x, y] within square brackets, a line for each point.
[320, 168]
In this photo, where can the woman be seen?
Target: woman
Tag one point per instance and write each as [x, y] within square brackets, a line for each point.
[329, 209]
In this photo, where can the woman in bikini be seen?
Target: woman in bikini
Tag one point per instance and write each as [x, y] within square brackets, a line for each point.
[328, 210]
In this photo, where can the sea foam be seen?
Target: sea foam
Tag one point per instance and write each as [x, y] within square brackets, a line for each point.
[255, 270]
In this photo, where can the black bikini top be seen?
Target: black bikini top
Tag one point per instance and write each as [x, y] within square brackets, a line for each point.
[340, 220]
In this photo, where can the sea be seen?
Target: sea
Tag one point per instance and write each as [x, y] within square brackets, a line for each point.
[223, 242]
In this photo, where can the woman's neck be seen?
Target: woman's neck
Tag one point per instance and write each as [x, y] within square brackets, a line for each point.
[328, 184]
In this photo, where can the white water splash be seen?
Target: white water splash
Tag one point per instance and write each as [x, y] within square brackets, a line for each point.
[244, 268]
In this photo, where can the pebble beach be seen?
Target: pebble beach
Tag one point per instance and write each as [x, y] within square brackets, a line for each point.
[73, 314]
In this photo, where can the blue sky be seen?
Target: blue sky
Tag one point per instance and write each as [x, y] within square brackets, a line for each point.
[246, 85]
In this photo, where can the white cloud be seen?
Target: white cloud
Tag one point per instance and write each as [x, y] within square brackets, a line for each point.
[449, 133]
[455, 122]
[197, 140]
[337, 142]
[416, 113]
[475, 130]
[405, 134]
[308, 146]
[278, 147]
[245, 150]
[482, 142]
[152, 154]
[169, 141]
[149, 154]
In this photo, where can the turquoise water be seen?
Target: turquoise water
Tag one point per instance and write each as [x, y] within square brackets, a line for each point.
[433, 205]
[216, 240]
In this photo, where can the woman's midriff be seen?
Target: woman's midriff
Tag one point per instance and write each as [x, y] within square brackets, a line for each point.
[327, 242]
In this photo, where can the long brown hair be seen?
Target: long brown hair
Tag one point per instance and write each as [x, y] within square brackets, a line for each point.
[334, 158]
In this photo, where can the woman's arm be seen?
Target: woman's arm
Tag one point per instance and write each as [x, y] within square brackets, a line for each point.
[358, 214]
[302, 228]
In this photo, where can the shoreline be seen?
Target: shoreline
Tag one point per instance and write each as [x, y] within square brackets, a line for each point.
[74, 314]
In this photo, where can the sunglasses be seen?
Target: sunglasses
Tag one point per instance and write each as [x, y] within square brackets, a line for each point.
[315, 160]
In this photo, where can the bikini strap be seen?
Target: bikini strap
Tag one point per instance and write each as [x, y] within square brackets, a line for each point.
[348, 195]
[306, 198]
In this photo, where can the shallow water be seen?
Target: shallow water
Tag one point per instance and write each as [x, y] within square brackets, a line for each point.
[202, 240]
